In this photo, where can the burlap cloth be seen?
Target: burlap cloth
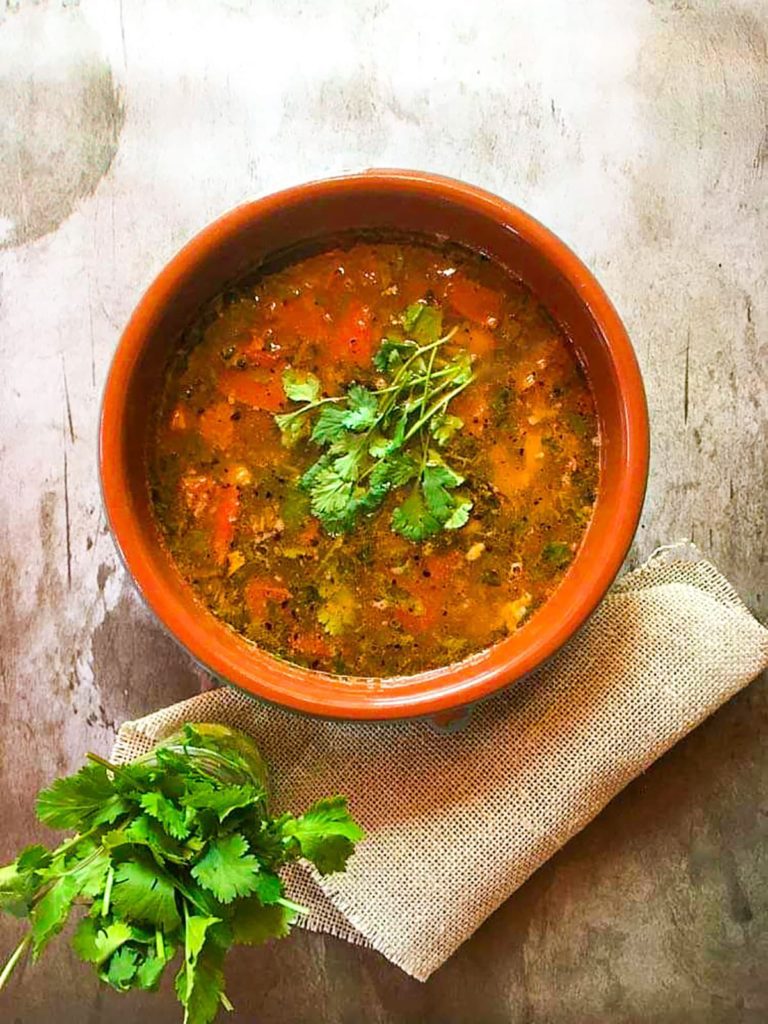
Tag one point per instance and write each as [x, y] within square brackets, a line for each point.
[457, 822]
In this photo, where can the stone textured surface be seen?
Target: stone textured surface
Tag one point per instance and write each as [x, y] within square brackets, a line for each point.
[639, 133]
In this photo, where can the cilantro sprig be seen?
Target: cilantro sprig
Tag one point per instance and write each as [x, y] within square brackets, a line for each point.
[379, 440]
[174, 855]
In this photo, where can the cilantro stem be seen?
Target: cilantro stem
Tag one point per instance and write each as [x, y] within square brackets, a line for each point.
[65, 847]
[104, 763]
[435, 408]
[159, 944]
[14, 958]
[107, 891]
[290, 905]
[310, 406]
[225, 1002]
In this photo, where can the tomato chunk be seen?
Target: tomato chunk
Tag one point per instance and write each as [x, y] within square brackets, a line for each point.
[311, 645]
[352, 339]
[259, 354]
[474, 301]
[434, 589]
[216, 426]
[252, 390]
[303, 317]
[258, 592]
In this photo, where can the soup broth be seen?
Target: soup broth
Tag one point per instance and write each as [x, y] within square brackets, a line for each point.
[375, 460]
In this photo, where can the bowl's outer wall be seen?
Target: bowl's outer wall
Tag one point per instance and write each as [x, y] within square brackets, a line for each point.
[402, 201]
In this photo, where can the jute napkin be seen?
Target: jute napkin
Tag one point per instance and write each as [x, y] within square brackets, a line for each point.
[457, 822]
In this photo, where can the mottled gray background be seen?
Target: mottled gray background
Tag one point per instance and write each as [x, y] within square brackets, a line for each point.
[638, 131]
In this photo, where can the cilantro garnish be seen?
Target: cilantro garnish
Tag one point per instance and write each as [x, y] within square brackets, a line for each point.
[380, 440]
[174, 854]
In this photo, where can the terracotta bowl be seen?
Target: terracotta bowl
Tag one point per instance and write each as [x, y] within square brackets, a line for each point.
[413, 202]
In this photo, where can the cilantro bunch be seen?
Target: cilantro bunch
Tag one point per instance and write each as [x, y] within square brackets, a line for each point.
[377, 441]
[175, 854]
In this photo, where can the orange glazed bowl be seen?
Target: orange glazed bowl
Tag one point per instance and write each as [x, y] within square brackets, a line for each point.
[382, 200]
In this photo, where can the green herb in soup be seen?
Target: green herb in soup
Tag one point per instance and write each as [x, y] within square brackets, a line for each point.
[375, 460]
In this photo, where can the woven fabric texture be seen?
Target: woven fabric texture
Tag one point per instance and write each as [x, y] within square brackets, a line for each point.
[457, 822]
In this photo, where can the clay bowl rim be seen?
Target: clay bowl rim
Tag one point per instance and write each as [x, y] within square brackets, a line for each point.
[219, 649]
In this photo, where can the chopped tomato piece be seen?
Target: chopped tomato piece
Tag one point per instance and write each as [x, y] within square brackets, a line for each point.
[258, 353]
[415, 622]
[435, 587]
[259, 591]
[414, 287]
[312, 645]
[311, 532]
[474, 301]
[352, 339]
[302, 316]
[251, 390]
[216, 426]
[224, 521]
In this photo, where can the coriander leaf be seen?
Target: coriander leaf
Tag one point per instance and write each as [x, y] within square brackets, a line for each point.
[235, 746]
[71, 803]
[392, 353]
[329, 816]
[330, 425]
[51, 913]
[269, 888]
[412, 314]
[252, 923]
[145, 831]
[223, 800]
[578, 423]
[149, 973]
[339, 611]
[307, 480]
[200, 988]
[350, 451]
[143, 892]
[32, 858]
[121, 969]
[362, 408]
[413, 520]
[301, 385]
[444, 426]
[95, 942]
[436, 480]
[17, 889]
[292, 427]
[426, 326]
[325, 834]
[378, 445]
[196, 930]
[91, 873]
[166, 812]
[460, 515]
[395, 470]
[332, 500]
[462, 363]
[373, 497]
[227, 869]
[557, 554]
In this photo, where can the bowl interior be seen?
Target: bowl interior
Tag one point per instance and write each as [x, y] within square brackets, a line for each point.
[385, 201]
